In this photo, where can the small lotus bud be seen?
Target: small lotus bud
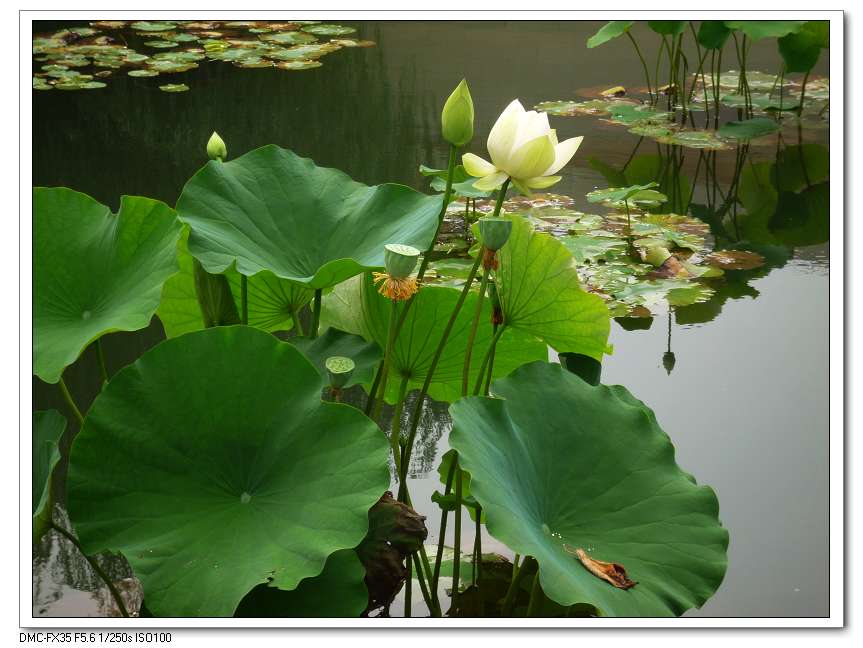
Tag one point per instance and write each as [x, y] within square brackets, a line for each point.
[216, 148]
[457, 116]
[656, 256]
[400, 260]
[494, 232]
[339, 370]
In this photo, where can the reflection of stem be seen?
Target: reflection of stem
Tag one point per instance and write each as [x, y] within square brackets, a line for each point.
[669, 331]
[96, 568]
[70, 401]
[473, 327]
[694, 182]
[643, 64]
[629, 229]
[488, 355]
[632, 155]
[102, 366]
[316, 314]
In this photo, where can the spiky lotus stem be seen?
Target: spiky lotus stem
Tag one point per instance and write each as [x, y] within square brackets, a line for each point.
[395, 289]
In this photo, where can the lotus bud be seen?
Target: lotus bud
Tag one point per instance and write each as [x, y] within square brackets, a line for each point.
[457, 116]
[494, 232]
[339, 370]
[400, 260]
[656, 256]
[216, 148]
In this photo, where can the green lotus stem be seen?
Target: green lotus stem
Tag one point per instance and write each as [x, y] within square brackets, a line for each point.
[431, 600]
[295, 316]
[316, 314]
[643, 64]
[456, 566]
[535, 593]
[514, 585]
[103, 368]
[96, 568]
[656, 67]
[803, 91]
[466, 217]
[385, 367]
[70, 401]
[408, 586]
[442, 534]
[490, 371]
[477, 545]
[370, 401]
[396, 425]
[473, 327]
[423, 585]
[244, 299]
[488, 355]
[447, 194]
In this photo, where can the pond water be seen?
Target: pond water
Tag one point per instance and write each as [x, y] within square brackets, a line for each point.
[745, 399]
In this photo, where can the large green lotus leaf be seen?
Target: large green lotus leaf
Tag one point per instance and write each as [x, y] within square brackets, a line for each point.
[206, 464]
[357, 307]
[712, 34]
[800, 51]
[271, 300]
[48, 427]
[609, 31]
[758, 29]
[560, 465]
[95, 272]
[540, 293]
[273, 210]
[338, 591]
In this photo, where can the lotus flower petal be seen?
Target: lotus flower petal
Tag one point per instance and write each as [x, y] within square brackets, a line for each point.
[563, 153]
[477, 166]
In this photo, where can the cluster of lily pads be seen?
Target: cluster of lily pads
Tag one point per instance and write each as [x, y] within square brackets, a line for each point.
[764, 101]
[102, 49]
[225, 465]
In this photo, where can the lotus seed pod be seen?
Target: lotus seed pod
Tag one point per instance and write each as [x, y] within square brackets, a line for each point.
[400, 260]
[494, 232]
[457, 116]
[216, 148]
[339, 370]
[656, 256]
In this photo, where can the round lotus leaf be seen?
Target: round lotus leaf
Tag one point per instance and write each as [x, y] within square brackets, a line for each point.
[206, 465]
[609, 31]
[143, 73]
[289, 38]
[298, 65]
[94, 271]
[145, 26]
[328, 30]
[174, 87]
[323, 230]
[562, 467]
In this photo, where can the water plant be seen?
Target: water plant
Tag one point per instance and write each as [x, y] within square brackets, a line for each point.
[236, 475]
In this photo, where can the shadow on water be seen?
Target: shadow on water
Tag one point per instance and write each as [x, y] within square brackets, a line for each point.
[374, 114]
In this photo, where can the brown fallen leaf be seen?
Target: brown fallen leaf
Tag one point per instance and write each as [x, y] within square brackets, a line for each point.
[611, 572]
[616, 91]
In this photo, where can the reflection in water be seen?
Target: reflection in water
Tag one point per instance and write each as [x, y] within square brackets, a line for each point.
[64, 583]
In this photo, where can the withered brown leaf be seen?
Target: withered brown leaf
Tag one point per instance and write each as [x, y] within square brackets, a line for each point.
[612, 572]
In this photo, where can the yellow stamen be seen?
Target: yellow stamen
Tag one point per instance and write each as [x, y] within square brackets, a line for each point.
[395, 289]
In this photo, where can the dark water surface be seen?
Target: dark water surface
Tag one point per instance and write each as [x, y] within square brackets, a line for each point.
[746, 402]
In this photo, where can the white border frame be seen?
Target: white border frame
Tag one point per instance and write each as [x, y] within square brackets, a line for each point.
[837, 328]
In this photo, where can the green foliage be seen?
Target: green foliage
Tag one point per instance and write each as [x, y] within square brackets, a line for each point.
[333, 342]
[357, 307]
[204, 463]
[749, 128]
[540, 294]
[48, 428]
[95, 272]
[800, 50]
[560, 465]
[712, 34]
[667, 27]
[758, 29]
[609, 31]
[273, 210]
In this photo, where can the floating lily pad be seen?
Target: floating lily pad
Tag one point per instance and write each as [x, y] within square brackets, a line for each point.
[735, 259]
[143, 73]
[328, 30]
[161, 44]
[349, 42]
[298, 65]
[240, 213]
[217, 473]
[146, 26]
[174, 87]
[289, 38]
[95, 272]
[552, 481]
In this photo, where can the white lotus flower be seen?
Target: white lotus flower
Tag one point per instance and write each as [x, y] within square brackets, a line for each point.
[524, 148]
